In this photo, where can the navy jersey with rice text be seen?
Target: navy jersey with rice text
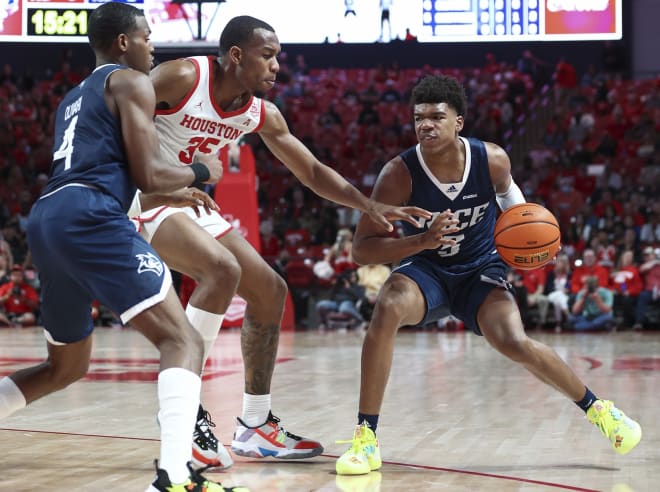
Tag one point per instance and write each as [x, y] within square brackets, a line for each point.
[472, 201]
[88, 146]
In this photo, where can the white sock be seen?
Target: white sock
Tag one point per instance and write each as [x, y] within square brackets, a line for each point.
[11, 398]
[255, 409]
[207, 324]
[178, 395]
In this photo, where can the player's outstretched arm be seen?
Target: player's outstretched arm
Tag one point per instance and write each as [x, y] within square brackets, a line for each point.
[134, 100]
[324, 180]
[373, 245]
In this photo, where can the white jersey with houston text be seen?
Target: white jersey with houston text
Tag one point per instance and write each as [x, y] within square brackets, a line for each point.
[198, 124]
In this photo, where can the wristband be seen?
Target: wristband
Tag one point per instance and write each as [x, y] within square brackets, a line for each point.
[202, 173]
[512, 196]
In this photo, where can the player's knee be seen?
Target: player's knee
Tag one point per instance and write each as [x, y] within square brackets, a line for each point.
[223, 267]
[393, 301]
[279, 289]
[184, 340]
[515, 348]
[270, 291]
[62, 375]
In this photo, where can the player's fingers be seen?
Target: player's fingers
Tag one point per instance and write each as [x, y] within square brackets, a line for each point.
[206, 201]
[382, 220]
[410, 219]
[447, 242]
[417, 212]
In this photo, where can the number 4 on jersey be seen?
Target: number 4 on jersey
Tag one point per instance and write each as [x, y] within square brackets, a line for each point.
[66, 149]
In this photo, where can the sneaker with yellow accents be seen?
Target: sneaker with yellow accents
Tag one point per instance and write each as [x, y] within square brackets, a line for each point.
[622, 431]
[271, 440]
[195, 483]
[364, 454]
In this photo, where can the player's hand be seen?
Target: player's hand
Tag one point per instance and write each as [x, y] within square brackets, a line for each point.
[213, 163]
[443, 225]
[383, 214]
[192, 197]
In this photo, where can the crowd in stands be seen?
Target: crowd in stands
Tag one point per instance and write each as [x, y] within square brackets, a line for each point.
[596, 166]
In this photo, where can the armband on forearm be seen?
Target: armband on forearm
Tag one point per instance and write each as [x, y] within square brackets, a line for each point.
[512, 196]
[202, 173]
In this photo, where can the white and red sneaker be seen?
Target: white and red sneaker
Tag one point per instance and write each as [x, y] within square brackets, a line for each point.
[207, 452]
[270, 439]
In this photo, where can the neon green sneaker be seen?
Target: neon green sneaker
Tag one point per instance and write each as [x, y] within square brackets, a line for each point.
[364, 454]
[622, 431]
[195, 483]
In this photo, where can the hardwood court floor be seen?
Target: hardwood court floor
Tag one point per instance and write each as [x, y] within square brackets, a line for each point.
[457, 416]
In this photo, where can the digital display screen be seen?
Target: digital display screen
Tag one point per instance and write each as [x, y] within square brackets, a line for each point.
[319, 21]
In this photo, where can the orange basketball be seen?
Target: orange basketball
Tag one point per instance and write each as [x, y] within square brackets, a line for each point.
[527, 236]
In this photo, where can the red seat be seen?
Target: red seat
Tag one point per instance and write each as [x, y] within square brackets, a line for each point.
[299, 273]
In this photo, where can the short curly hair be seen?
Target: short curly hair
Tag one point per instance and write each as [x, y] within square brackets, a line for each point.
[434, 89]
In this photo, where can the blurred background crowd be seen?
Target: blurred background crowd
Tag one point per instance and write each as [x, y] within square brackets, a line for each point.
[583, 141]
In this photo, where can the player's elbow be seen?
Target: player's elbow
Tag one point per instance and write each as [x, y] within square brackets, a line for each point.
[360, 252]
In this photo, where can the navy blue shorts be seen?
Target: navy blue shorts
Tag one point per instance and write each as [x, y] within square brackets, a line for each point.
[86, 249]
[457, 290]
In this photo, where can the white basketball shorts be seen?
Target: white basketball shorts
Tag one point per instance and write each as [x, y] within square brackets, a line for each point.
[149, 221]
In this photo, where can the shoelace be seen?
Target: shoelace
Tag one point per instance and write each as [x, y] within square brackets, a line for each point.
[272, 418]
[356, 441]
[601, 417]
[205, 424]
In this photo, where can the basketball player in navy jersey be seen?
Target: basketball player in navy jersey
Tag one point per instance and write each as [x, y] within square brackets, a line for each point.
[451, 266]
[204, 103]
[86, 247]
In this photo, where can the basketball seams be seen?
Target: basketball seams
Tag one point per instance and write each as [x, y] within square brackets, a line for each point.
[522, 248]
[517, 224]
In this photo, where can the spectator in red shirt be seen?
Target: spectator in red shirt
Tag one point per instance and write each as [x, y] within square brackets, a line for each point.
[650, 272]
[627, 284]
[410, 37]
[565, 80]
[66, 76]
[270, 243]
[588, 268]
[534, 282]
[606, 199]
[566, 198]
[296, 237]
[19, 299]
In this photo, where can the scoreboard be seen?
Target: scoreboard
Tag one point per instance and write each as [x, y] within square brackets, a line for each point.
[513, 20]
[329, 20]
[48, 20]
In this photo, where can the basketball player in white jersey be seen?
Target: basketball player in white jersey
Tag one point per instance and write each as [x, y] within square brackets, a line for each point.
[203, 103]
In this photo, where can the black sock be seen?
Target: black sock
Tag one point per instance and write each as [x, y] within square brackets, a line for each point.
[371, 420]
[587, 401]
